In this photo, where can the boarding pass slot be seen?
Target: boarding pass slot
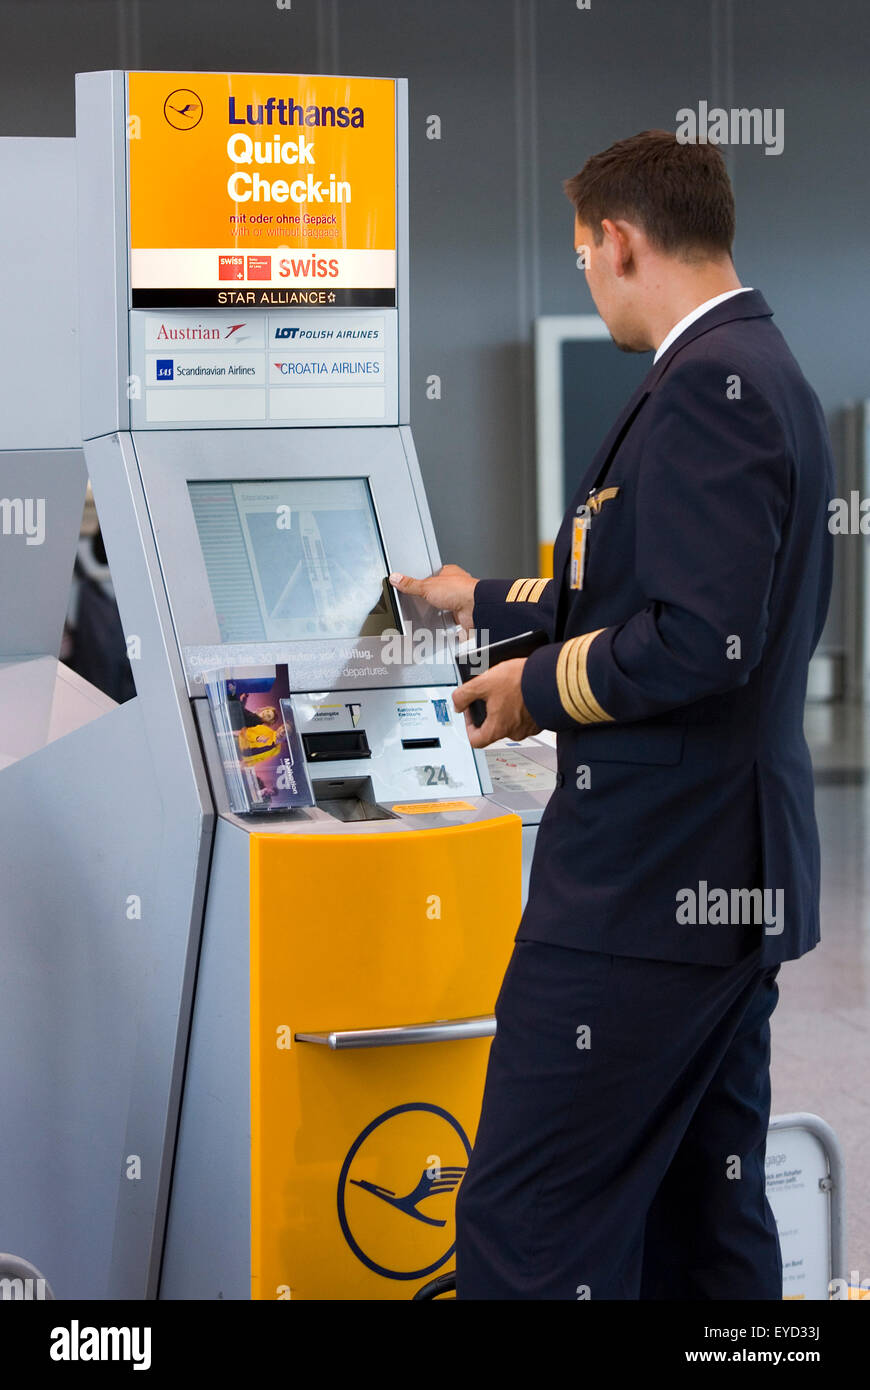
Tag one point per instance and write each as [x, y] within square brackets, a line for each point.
[336, 745]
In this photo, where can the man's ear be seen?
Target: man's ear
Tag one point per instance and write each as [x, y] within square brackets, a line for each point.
[618, 245]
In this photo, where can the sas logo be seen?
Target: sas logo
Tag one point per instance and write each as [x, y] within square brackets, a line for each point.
[397, 1190]
[165, 369]
[231, 267]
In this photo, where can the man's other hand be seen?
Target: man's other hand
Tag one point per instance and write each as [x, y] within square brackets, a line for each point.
[506, 715]
[450, 589]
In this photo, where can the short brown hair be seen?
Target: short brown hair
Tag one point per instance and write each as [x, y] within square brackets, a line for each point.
[680, 194]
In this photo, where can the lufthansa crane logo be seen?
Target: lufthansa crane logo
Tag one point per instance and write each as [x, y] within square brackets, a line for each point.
[397, 1190]
[183, 109]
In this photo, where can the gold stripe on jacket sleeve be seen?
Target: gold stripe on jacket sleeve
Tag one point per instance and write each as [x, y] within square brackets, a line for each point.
[566, 688]
[526, 590]
[572, 681]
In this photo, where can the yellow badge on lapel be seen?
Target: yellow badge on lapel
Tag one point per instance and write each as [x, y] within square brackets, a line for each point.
[580, 532]
[579, 540]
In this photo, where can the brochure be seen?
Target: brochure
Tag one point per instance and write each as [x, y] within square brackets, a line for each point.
[264, 763]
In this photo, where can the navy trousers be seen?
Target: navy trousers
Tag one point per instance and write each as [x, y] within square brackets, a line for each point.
[620, 1151]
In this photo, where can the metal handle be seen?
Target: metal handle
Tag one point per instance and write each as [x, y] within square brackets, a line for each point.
[445, 1030]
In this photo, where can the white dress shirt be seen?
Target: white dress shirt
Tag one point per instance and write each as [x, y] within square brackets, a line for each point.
[683, 324]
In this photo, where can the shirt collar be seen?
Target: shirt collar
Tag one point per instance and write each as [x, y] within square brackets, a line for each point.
[683, 324]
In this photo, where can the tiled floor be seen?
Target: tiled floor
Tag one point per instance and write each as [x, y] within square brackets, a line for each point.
[821, 1028]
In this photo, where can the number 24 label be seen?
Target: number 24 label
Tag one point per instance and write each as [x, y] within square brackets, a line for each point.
[434, 775]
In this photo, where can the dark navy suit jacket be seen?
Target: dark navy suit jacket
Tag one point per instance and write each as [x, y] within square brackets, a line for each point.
[682, 827]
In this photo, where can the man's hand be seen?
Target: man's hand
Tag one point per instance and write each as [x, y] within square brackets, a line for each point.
[506, 715]
[450, 589]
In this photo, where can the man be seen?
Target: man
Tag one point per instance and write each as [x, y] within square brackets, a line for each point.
[620, 1152]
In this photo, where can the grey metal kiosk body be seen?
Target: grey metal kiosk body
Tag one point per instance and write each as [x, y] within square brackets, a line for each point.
[121, 1200]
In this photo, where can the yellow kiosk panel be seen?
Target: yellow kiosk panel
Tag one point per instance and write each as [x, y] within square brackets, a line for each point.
[357, 1153]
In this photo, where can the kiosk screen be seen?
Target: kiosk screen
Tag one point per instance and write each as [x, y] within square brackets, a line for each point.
[290, 560]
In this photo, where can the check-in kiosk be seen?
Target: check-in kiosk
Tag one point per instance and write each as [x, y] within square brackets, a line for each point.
[281, 1017]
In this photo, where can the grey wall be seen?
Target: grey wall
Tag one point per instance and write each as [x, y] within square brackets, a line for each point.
[526, 89]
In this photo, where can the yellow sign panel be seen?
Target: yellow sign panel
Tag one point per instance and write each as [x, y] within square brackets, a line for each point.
[431, 808]
[357, 1155]
[244, 186]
